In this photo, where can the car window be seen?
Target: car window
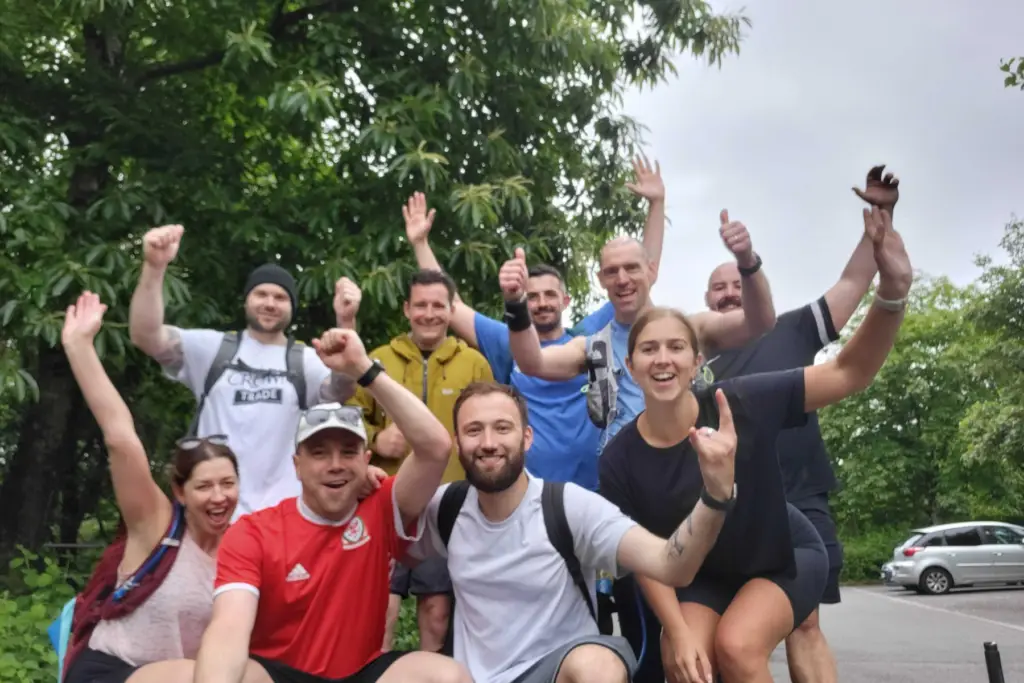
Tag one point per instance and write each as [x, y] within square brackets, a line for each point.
[909, 542]
[1003, 535]
[968, 536]
[931, 540]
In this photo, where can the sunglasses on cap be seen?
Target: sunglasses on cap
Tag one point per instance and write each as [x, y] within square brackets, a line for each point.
[189, 443]
[345, 414]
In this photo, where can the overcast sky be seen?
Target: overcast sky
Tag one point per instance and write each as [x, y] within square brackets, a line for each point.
[821, 92]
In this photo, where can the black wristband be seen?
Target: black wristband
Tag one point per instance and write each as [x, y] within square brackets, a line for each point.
[375, 369]
[517, 315]
[747, 272]
[715, 504]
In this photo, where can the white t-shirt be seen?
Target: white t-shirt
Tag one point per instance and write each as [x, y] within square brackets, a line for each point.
[514, 599]
[259, 413]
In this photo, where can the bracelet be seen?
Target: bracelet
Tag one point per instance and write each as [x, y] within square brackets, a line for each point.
[371, 374]
[747, 272]
[517, 315]
[715, 504]
[892, 305]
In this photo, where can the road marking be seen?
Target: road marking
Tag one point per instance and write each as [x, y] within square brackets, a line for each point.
[902, 601]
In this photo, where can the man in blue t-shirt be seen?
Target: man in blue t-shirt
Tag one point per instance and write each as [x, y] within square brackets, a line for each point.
[565, 442]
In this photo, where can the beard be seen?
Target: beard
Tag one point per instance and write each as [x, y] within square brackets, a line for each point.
[498, 479]
[729, 301]
[544, 328]
[253, 320]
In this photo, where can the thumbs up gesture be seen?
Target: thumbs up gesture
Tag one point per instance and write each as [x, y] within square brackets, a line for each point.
[512, 277]
[736, 239]
[716, 451]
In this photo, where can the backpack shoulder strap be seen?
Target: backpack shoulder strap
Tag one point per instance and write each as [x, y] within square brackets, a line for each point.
[602, 386]
[295, 363]
[229, 344]
[560, 534]
[451, 502]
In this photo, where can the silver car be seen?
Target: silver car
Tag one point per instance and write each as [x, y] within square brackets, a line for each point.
[937, 558]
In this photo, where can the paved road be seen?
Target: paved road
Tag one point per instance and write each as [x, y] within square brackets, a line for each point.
[884, 635]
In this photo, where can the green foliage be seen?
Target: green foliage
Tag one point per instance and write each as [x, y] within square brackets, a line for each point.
[407, 631]
[1014, 70]
[864, 555]
[38, 588]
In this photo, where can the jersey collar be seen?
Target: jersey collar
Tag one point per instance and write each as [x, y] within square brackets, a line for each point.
[313, 517]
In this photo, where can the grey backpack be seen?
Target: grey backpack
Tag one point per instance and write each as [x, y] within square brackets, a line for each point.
[602, 384]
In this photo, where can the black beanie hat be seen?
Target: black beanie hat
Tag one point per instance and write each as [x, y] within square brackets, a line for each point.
[273, 274]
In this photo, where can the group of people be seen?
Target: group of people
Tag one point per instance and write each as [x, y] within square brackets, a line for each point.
[493, 474]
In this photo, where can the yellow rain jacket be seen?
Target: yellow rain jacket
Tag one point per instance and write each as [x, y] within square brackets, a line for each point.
[451, 367]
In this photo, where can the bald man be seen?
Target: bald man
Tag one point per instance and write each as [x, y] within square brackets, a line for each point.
[806, 469]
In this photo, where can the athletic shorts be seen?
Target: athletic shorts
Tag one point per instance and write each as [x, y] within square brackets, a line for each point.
[91, 666]
[370, 673]
[804, 590]
[545, 670]
[429, 577]
[816, 510]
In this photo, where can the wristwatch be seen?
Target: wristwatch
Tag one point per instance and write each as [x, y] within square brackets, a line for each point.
[371, 374]
[715, 504]
[747, 272]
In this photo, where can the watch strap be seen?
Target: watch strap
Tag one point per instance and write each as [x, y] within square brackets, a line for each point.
[715, 504]
[747, 272]
[371, 374]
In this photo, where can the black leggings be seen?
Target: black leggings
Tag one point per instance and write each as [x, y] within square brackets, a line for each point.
[98, 667]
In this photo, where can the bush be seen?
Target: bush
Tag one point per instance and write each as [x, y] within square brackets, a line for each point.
[407, 632]
[863, 556]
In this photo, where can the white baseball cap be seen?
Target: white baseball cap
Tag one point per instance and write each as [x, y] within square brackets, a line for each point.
[330, 416]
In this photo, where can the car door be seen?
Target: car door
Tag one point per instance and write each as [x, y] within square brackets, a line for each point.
[1007, 548]
[970, 560]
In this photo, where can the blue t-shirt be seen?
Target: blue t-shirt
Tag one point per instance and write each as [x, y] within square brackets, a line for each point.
[564, 439]
[630, 402]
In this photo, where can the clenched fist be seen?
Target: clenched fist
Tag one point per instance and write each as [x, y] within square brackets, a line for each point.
[390, 443]
[160, 245]
[716, 451]
[512, 277]
[343, 351]
[737, 240]
[347, 297]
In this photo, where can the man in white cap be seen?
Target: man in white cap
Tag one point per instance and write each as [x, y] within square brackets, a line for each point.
[302, 587]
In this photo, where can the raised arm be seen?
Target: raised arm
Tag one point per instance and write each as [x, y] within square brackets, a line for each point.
[421, 472]
[846, 294]
[146, 325]
[649, 185]
[418, 222]
[347, 296]
[757, 316]
[675, 562]
[145, 508]
[860, 359]
[224, 652]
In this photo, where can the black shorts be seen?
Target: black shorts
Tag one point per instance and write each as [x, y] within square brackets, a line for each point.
[818, 513]
[429, 577]
[804, 589]
[282, 673]
[98, 667]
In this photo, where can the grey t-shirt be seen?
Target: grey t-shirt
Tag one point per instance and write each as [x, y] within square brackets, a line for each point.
[515, 601]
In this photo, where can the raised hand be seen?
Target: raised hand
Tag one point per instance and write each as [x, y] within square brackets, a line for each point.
[716, 451]
[880, 191]
[895, 274]
[347, 297]
[648, 183]
[343, 351]
[418, 220]
[160, 245]
[736, 239]
[512, 277]
[83, 320]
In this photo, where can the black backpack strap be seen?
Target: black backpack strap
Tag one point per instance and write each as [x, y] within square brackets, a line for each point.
[448, 510]
[295, 364]
[225, 354]
[552, 502]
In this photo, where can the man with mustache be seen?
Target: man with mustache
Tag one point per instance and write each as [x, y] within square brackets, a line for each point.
[806, 471]
[565, 442]
[524, 610]
[436, 367]
[261, 381]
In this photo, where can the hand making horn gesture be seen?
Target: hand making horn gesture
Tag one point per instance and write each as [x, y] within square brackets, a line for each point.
[716, 451]
[881, 191]
[512, 277]
[736, 239]
[343, 351]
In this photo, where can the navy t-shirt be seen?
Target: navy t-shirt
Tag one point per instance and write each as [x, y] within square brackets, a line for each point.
[658, 487]
[795, 340]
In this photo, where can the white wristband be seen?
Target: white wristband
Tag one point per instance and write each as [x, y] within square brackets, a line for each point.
[894, 305]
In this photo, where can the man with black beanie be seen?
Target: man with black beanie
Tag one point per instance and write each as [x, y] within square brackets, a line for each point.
[250, 386]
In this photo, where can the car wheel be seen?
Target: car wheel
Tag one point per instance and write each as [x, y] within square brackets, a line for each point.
[935, 581]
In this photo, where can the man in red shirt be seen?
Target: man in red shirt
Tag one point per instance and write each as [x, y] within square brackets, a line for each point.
[302, 587]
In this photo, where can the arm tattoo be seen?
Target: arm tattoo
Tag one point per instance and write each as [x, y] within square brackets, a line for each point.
[337, 388]
[675, 545]
[172, 353]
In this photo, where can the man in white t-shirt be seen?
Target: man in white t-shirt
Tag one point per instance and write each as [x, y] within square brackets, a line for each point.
[520, 617]
[255, 399]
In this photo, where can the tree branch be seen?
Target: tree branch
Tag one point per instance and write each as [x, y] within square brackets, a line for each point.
[280, 24]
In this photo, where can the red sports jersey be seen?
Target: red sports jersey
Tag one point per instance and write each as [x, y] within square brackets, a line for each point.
[323, 588]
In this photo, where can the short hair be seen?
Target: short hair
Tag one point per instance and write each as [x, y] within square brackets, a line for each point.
[542, 269]
[657, 313]
[428, 276]
[484, 389]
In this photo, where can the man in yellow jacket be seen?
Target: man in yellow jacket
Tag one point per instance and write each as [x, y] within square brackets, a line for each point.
[435, 367]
